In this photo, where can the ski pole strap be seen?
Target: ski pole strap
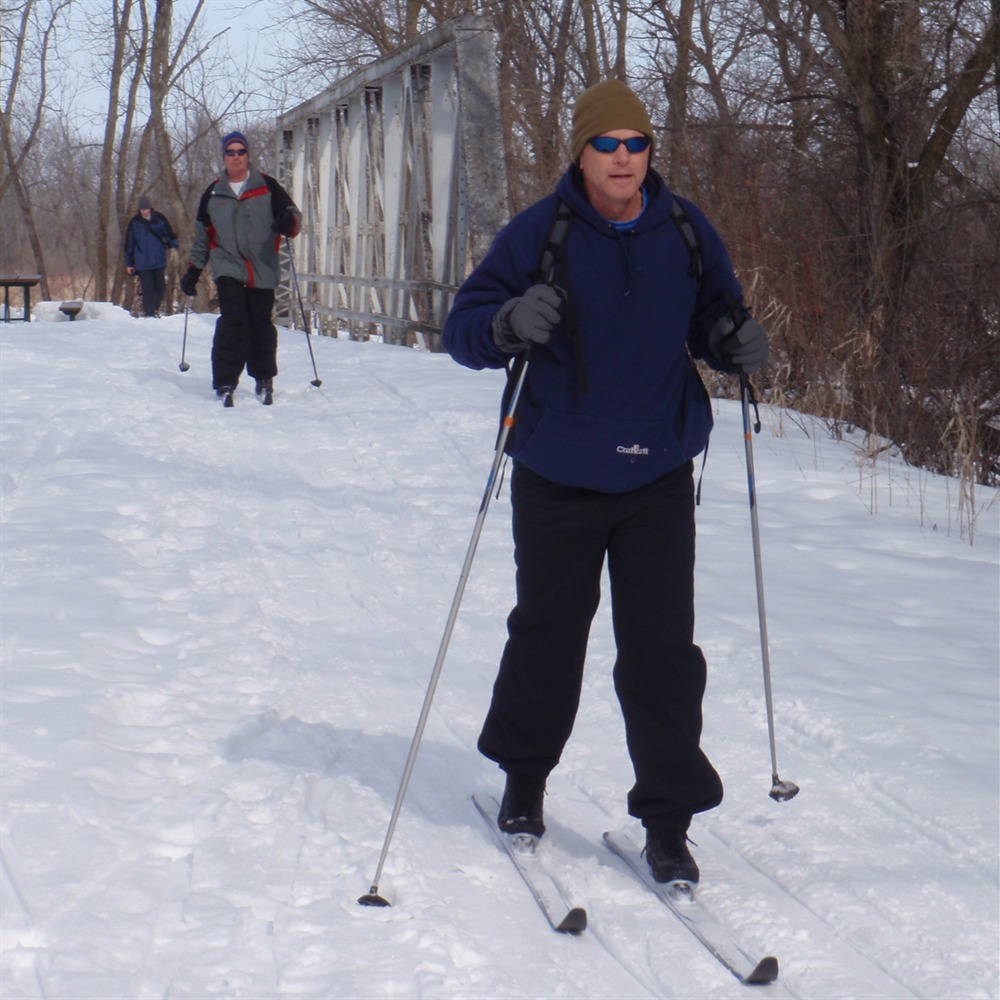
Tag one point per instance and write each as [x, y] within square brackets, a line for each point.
[701, 475]
[746, 387]
[500, 478]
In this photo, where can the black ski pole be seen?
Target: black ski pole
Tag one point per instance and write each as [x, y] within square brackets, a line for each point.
[305, 326]
[372, 897]
[184, 366]
[781, 791]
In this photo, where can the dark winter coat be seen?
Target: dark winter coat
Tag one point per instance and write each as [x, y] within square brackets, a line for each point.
[147, 241]
[236, 234]
[639, 317]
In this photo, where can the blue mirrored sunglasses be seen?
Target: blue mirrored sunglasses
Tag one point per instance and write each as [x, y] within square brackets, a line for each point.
[606, 144]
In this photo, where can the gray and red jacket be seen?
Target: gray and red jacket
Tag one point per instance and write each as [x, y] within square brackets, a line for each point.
[235, 232]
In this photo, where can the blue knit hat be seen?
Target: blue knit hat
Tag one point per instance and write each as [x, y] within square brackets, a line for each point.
[234, 137]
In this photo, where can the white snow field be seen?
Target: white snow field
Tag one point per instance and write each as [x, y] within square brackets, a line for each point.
[218, 628]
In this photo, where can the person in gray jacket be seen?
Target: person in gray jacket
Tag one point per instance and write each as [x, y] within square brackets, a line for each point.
[241, 219]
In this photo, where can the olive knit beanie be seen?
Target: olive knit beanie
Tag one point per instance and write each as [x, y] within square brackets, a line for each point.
[605, 107]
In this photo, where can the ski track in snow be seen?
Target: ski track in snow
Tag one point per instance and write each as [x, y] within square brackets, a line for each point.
[217, 631]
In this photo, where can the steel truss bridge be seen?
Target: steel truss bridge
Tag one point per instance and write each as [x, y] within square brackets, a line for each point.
[399, 172]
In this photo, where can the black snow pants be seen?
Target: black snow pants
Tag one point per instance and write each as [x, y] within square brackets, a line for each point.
[561, 537]
[152, 283]
[244, 334]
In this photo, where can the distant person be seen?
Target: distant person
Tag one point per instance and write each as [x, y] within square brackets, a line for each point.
[147, 240]
[241, 219]
[611, 415]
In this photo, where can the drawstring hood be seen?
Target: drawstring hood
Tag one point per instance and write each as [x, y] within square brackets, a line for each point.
[625, 230]
[625, 242]
[571, 191]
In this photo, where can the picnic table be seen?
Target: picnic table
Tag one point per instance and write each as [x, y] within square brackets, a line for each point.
[23, 281]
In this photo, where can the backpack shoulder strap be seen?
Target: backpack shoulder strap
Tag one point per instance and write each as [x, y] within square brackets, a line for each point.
[552, 249]
[690, 238]
[695, 270]
[552, 253]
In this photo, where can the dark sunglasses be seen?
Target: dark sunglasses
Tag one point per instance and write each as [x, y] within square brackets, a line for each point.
[606, 144]
[236, 152]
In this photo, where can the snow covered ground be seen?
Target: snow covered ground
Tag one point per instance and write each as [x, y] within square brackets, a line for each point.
[218, 627]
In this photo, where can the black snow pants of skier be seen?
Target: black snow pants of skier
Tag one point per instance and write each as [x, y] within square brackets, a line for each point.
[152, 283]
[244, 334]
[561, 537]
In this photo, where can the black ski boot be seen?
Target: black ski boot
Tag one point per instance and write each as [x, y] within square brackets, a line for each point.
[265, 391]
[668, 856]
[521, 806]
[225, 393]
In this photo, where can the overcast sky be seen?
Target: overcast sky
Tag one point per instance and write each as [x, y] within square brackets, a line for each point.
[252, 31]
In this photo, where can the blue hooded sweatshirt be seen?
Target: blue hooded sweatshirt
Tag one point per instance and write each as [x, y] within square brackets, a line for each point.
[639, 318]
[147, 242]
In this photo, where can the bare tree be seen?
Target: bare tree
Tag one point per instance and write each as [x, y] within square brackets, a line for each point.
[605, 50]
[121, 14]
[908, 73]
[27, 81]
[674, 25]
[996, 54]
[537, 72]
[337, 36]
[167, 59]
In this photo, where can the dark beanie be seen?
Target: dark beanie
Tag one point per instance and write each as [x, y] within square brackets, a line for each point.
[144, 201]
[234, 137]
[605, 107]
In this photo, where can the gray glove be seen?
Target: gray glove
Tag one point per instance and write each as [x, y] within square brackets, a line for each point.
[740, 350]
[528, 318]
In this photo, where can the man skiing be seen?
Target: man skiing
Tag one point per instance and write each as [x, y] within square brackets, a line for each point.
[611, 416]
[241, 219]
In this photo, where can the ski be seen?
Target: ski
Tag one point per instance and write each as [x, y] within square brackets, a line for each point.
[522, 849]
[683, 901]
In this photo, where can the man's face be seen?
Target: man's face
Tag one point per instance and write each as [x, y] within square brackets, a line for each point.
[612, 180]
[237, 160]
[145, 212]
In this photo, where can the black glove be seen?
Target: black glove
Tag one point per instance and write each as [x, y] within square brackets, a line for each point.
[284, 222]
[528, 318]
[189, 280]
[740, 350]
